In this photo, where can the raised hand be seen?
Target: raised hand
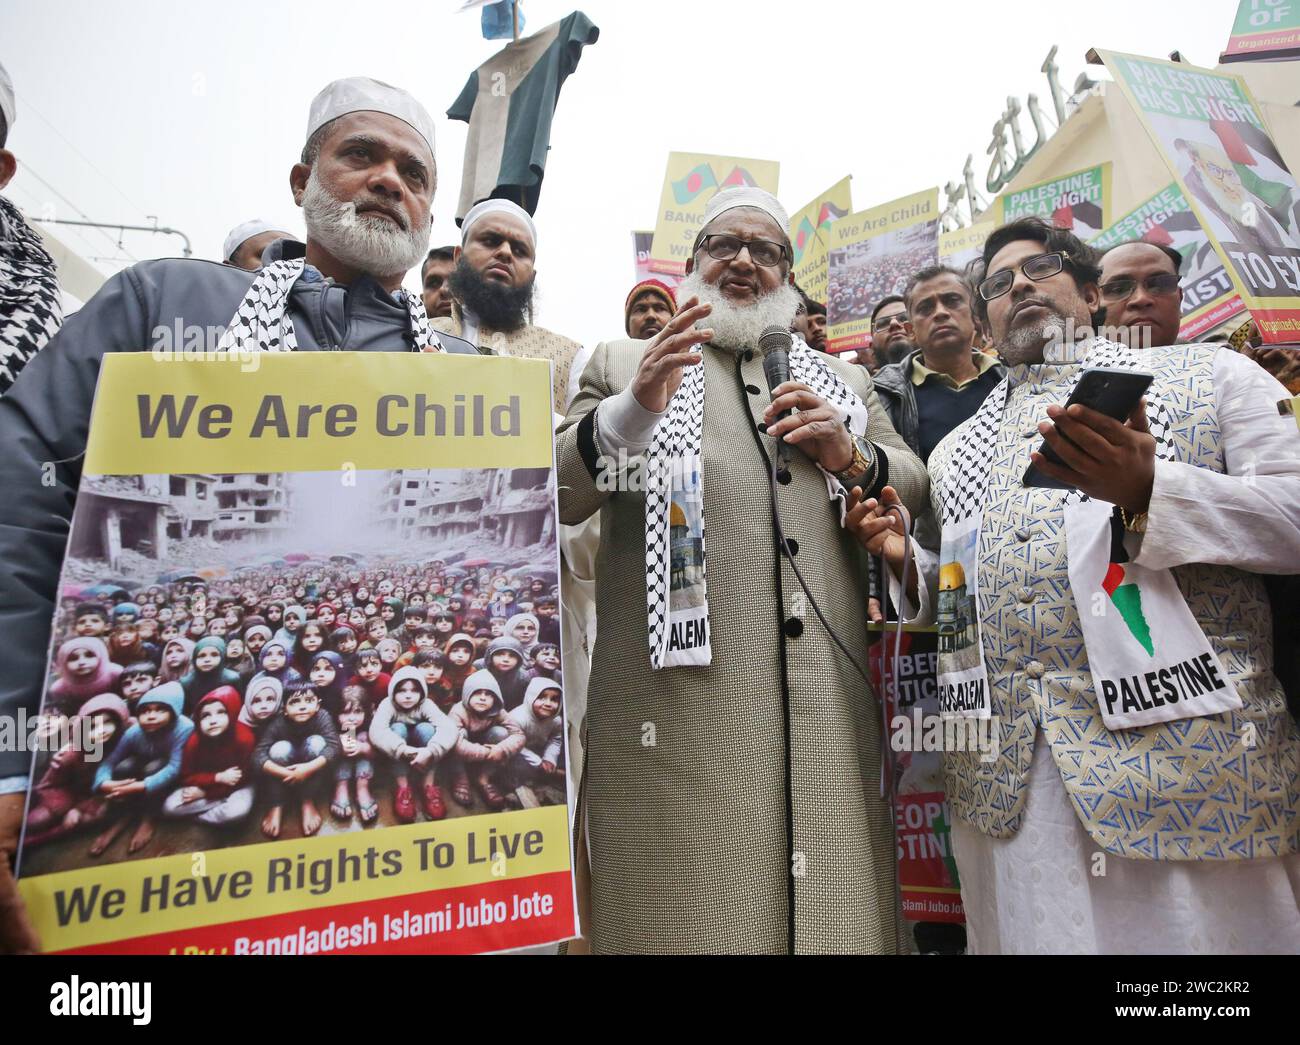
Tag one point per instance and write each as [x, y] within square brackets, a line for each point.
[667, 354]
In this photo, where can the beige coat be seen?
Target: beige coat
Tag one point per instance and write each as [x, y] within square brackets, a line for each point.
[693, 841]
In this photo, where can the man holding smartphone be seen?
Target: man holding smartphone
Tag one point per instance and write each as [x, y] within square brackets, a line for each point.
[1118, 629]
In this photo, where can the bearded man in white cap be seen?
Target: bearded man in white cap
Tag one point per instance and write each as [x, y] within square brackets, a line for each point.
[733, 767]
[492, 287]
[365, 184]
[247, 241]
[31, 307]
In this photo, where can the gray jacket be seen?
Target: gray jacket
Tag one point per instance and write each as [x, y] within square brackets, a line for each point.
[45, 417]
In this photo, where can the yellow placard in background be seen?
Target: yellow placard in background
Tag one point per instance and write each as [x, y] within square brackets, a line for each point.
[692, 179]
[288, 412]
[810, 237]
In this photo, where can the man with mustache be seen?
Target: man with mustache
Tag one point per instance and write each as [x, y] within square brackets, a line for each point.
[435, 280]
[365, 183]
[941, 382]
[890, 341]
[493, 285]
[1141, 294]
[1130, 794]
[733, 752]
[649, 307]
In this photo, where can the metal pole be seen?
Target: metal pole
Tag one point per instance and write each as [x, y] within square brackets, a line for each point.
[514, 10]
[189, 253]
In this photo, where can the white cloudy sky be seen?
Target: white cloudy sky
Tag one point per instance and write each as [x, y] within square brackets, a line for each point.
[194, 111]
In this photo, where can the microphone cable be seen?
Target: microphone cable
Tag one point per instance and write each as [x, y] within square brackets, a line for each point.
[886, 761]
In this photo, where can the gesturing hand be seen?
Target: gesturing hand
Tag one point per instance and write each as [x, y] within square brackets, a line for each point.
[668, 352]
[814, 426]
[877, 529]
[1109, 460]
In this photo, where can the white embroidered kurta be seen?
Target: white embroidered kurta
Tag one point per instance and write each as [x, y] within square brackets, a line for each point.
[1206, 793]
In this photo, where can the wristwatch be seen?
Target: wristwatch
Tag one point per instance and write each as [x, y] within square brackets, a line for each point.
[862, 469]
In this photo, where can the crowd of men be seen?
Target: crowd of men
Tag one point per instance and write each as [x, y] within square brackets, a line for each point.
[754, 821]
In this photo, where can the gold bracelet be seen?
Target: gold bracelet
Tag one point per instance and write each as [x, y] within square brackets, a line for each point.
[1137, 523]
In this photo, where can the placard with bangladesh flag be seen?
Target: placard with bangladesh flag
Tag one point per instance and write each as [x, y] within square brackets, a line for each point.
[1166, 219]
[1213, 137]
[808, 237]
[690, 182]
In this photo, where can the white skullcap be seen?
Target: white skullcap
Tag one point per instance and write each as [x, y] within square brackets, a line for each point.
[748, 196]
[482, 210]
[245, 231]
[362, 94]
[7, 100]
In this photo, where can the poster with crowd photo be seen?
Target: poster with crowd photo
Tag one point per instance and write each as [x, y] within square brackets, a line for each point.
[691, 180]
[927, 869]
[872, 255]
[306, 664]
[1264, 30]
[641, 242]
[809, 236]
[1078, 201]
[1166, 219]
[962, 247]
[1213, 137]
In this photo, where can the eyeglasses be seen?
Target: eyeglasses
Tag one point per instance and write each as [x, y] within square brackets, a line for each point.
[1039, 267]
[722, 247]
[885, 322]
[1158, 285]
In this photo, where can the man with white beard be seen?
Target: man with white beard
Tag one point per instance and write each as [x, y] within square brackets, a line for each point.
[365, 184]
[732, 781]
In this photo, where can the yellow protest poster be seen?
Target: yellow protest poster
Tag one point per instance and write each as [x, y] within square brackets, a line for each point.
[690, 181]
[808, 236]
[960, 247]
[872, 255]
[299, 735]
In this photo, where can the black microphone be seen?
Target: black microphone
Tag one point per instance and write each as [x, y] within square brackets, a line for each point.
[775, 344]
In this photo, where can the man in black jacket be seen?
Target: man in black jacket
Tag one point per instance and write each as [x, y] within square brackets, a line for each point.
[943, 381]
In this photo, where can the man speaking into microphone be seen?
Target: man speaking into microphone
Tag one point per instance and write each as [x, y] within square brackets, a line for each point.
[733, 772]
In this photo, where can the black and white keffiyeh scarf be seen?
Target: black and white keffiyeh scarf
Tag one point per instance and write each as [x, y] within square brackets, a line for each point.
[676, 593]
[966, 476]
[31, 307]
[1133, 619]
[261, 322]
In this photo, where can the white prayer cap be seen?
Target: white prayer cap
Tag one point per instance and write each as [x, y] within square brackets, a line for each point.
[748, 196]
[482, 210]
[7, 100]
[245, 231]
[362, 94]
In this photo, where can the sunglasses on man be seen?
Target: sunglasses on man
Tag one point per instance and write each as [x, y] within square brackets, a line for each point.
[885, 322]
[1121, 288]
